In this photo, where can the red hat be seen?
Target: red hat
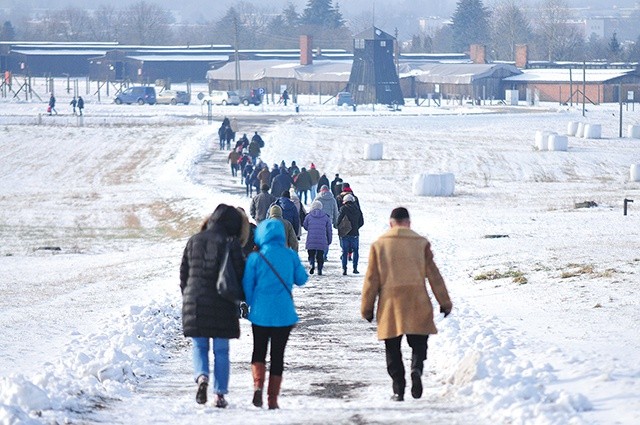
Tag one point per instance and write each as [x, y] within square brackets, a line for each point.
[313, 165]
[347, 189]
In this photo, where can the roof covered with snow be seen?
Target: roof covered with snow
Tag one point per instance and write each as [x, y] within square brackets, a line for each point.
[325, 70]
[452, 73]
[180, 58]
[560, 75]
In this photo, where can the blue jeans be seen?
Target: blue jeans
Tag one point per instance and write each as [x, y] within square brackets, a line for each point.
[220, 361]
[349, 243]
[313, 191]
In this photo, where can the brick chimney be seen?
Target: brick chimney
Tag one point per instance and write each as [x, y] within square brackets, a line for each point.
[477, 53]
[306, 53]
[522, 56]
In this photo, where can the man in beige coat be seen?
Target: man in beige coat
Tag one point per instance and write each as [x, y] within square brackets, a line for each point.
[399, 262]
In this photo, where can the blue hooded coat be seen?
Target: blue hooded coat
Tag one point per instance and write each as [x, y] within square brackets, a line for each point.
[270, 304]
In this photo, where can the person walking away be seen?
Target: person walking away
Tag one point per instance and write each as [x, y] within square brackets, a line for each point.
[324, 181]
[261, 203]
[264, 176]
[233, 159]
[289, 211]
[399, 262]
[315, 177]
[282, 182]
[319, 232]
[350, 241]
[330, 208]
[334, 183]
[205, 314]
[73, 104]
[80, 105]
[344, 191]
[285, 97]
[52, 105]
[275, 212]
[233, 124]
[268, 283]
[247, 172]
[222, 136]
[254, 150]
[303, 185]
[258, 139]
[229, 136]
[294, 169]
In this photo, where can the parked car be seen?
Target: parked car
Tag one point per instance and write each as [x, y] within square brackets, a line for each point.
[221, 97]
[249, 97]
[173, 97]
[344, 98]
[137, 94]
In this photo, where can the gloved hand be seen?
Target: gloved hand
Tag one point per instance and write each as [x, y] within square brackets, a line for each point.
[446, 312]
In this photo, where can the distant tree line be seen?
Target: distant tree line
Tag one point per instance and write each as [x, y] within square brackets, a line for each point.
[549, 29]
[144, 23]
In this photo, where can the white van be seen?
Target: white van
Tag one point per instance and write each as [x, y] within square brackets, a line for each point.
[221, 97]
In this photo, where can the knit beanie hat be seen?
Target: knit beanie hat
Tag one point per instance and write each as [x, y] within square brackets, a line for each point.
[316, 205]
[324, 188]
[348, 198]
[275, 211]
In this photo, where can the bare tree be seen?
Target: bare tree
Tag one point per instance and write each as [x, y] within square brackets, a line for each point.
[105, 24]
[147, 24]
[558, 37]
[510, 27]
[73, 24]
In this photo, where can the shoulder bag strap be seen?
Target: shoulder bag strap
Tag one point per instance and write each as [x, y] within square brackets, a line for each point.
[276, 273]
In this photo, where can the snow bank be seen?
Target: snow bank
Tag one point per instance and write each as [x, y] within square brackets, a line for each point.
[97, 367]
[479, 364]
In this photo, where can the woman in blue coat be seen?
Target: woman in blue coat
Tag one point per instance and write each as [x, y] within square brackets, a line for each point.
[268, 280]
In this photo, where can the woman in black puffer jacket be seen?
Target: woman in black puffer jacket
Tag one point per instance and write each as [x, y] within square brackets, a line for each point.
[205, 314]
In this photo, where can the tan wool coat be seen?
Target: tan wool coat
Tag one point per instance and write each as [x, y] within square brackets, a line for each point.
[399, 262]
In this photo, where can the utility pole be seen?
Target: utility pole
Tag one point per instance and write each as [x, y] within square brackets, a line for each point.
[235, 45]
[397, 53]
[584, 86]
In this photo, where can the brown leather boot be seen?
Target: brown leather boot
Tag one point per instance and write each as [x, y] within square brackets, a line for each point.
[258, 370]
[273, 391]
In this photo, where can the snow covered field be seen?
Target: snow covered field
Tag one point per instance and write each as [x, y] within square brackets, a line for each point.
[545, 321]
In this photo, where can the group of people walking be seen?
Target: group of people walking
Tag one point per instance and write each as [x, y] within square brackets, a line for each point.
[333, 206]
[264, 258]
[399, 263]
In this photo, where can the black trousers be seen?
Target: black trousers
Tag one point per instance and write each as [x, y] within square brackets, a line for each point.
[316, 255]
[279, 337]
[395, 366]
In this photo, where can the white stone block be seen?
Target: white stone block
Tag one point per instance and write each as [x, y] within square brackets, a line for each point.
[373, 151]
[633, 131]
[580, 130]
[592, 131]
[434, 184]
[572, 128]
[558, 142]
[634, 173]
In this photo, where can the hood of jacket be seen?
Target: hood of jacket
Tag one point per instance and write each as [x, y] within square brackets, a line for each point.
[275, 211]
[326, 195]
[270, 232]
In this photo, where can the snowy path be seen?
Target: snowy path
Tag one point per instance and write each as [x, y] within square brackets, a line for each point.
[333, 360]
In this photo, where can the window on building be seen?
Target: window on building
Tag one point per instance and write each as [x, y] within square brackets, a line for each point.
[359, 43]
[383, 43]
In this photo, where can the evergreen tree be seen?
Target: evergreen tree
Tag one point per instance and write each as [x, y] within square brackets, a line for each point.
[291, 16]
[321, 13]
[470, 25]
[8, 33]
[614, 48]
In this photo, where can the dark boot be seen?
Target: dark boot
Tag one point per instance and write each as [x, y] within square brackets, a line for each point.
[320, 265]
[258, 370]
[273, 391]
[201, 395]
